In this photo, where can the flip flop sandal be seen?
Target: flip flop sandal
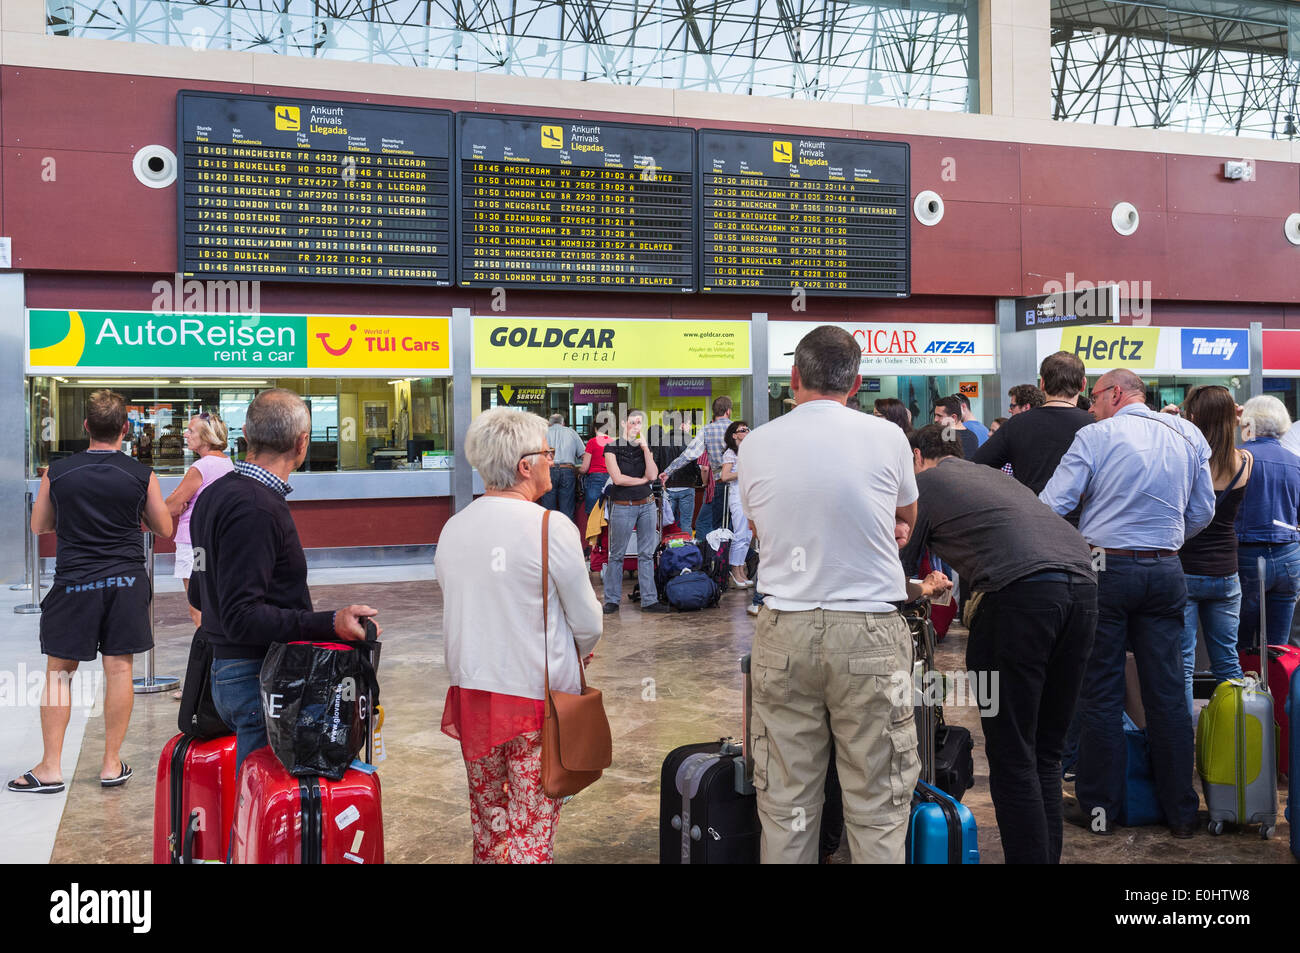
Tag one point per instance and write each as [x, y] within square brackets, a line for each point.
[35, 785]
[119, 780]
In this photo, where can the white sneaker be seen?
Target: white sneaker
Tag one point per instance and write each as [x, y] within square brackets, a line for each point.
[752, 609]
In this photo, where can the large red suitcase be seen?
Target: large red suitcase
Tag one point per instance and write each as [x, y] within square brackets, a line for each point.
[1283, 660]
[280, 819]
[194, 800]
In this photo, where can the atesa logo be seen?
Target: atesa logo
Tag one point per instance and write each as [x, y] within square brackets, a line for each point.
[950, 347]
[100, 907]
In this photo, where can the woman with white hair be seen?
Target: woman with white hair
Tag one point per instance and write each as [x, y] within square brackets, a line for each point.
[1267, 523]
[206, 437]
[489, 565]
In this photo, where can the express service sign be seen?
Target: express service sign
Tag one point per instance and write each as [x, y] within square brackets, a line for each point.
[893, 349]
[614, 346]
[155, 342]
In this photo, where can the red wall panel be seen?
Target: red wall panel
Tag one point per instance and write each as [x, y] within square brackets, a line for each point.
[975, 249]
[1091, 178]
[95, 215]
[1196, 184]
[1058, 241]
[966, 170]
[1236, 258]
[333, 523]
[401, 522]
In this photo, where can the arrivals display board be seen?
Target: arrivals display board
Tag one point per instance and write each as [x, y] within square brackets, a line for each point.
[291, 189]
[782, 212]
[551, 203]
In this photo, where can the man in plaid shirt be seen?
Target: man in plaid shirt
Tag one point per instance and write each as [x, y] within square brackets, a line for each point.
[709, 438]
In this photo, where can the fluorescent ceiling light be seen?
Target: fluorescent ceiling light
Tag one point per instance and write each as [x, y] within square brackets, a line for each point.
[124, 381]
[214, 381]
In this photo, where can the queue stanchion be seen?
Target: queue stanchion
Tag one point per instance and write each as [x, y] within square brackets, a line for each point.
[152, 683]
[27, 551]
[33, 567]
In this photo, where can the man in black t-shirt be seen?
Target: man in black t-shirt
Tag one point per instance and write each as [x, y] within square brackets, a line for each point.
[1035, 440]
[100, 601]
[632, 470]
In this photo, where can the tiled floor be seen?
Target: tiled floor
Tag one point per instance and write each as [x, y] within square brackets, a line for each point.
[667, 680]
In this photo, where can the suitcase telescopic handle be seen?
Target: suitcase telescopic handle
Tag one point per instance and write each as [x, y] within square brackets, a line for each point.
[1262, 568]
[747, 703]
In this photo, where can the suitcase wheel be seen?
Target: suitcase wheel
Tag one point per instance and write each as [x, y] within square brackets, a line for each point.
[1216, 828]
[1266, 832]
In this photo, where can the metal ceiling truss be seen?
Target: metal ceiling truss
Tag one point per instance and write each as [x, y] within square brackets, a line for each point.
[1205, 66]
[911, 53]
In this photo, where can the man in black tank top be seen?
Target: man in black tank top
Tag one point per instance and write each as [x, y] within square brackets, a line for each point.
[94, 501]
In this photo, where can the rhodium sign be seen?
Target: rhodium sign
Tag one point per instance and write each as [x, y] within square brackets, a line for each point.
[894, 349]
[136, 342]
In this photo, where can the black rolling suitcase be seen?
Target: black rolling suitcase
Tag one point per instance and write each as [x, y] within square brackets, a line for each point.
[707, 810]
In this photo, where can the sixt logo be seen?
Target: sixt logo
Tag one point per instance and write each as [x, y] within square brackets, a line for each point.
[950, 347]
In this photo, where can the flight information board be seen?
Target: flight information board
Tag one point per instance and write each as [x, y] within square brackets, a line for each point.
[558, 203]
[782, 212]
[296, 189]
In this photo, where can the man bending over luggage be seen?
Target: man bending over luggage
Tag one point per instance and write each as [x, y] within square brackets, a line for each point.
[829, 638]
[1034, 616]
[99, 603]
[252, 587]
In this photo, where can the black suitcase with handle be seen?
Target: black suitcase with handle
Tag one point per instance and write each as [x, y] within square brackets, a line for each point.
[707, 810]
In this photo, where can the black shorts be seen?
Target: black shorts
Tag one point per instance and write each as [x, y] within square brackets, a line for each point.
[108, 616]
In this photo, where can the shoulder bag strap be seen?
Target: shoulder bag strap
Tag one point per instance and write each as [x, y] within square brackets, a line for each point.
[546, 601]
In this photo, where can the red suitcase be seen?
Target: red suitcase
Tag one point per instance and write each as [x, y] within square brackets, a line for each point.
[280, 819]
[194, 800]
[1283, 660]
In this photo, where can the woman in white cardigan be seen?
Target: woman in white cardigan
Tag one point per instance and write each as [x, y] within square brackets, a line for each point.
[489, 564]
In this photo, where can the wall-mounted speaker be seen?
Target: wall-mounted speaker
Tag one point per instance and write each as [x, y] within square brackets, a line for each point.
[928, 207]
[155, 166]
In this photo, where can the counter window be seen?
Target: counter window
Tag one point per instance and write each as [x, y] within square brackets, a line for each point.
[357, 423]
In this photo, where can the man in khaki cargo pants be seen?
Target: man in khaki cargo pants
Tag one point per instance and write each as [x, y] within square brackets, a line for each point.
[823, 487]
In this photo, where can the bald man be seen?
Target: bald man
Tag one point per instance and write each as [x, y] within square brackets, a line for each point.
[1144, 482]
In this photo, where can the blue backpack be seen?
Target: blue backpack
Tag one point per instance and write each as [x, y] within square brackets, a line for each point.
[690, 590]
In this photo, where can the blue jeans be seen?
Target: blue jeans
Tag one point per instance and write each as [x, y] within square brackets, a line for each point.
[237, 694]
[710, 517]
[1216, 602]
[593, 484]
[682, 500]
[1140, 602]
[560, 496]
[1281, 587]
[622, 521]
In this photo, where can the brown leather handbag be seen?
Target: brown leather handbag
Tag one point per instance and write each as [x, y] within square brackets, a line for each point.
[576, 743]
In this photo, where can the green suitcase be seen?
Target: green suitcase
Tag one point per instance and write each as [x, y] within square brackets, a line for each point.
[1236, 751]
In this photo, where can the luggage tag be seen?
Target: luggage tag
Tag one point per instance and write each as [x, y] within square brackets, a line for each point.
[378, 753]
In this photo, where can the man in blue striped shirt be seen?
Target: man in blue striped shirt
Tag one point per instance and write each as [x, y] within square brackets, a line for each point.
[1144, 481]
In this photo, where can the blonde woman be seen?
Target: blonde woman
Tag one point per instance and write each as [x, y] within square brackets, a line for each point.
[206, 437]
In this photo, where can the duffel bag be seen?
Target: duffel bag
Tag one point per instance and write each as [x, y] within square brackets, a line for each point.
[690, 590]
